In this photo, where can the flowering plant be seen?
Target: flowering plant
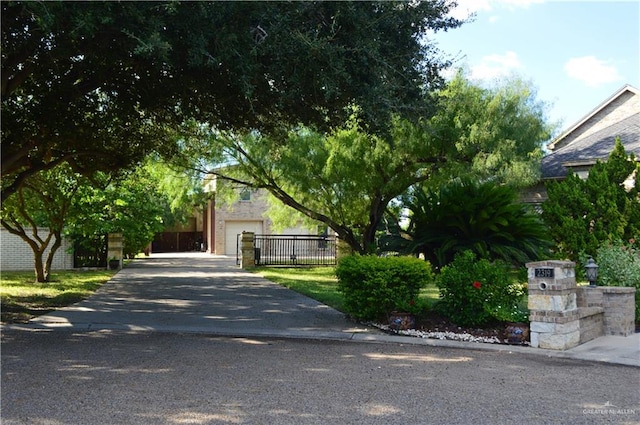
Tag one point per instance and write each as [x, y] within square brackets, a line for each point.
[475, 292]
[411, 306]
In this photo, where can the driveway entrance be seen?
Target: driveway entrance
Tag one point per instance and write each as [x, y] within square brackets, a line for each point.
[197, 292]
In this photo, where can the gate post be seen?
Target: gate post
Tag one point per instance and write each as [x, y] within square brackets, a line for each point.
[114, 248]
[247, 259]
[553, 310]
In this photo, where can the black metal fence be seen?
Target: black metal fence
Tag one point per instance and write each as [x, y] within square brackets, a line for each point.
[294, 250]
[90, 253]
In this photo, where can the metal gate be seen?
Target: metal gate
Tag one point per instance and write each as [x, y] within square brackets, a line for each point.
[90, 253]
[294, 250]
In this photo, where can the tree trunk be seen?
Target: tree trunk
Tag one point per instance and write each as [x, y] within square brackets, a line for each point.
[39, 267]
[375, 216]
[57, 243]
[38, 246]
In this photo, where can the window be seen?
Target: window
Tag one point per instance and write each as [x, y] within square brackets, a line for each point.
[245, 195]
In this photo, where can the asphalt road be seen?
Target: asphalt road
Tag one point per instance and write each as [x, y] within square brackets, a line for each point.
[118, 377]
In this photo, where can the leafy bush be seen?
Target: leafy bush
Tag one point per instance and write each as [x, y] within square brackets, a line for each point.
[581, 214]
[476, 292]
[483, 217]
[619, 265]
[375, 286]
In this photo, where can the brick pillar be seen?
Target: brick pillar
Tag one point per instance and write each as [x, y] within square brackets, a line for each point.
[248, 259]
[553, 310]
[114, 247]
[619, 310]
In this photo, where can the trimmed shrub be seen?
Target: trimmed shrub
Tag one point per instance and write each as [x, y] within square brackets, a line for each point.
[476, 292]
[619, 265]
[375, 286]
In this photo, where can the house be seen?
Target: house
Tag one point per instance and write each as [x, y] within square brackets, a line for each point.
[591, 139]
[224, 222]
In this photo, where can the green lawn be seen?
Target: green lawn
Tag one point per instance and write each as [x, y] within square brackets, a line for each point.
[321, 284]
[22, 299]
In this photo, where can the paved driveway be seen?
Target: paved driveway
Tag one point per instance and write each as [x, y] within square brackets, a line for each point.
[155, 378]
[198, 292]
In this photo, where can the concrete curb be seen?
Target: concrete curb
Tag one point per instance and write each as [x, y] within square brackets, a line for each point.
[578, 353]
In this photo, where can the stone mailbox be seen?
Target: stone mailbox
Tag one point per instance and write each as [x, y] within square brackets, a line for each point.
[553, 309]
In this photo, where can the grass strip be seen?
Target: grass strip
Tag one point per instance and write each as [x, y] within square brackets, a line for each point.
[21, 298]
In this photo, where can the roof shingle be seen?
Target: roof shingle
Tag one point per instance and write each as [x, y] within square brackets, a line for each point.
[596, 146]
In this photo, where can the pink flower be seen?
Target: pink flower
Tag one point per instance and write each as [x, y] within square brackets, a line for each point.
[477, 285]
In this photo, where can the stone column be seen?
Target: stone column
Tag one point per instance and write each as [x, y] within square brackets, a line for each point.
[248, 259]
[619, 310]
[553, 311]
[114, 247]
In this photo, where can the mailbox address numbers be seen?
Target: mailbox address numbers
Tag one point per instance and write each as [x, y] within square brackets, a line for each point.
[543, 272]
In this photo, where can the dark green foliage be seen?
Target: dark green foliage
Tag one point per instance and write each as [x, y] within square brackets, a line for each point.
[482, 217]
[583, 214]
[100, 84]
[44, 200]
[131, 206]
[375, 286]
[619, 265]
[476, 292]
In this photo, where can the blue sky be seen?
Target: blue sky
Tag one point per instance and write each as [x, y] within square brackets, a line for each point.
[576, 53]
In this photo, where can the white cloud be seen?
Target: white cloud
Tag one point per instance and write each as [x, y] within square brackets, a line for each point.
[467, 7]
[591, 71]
[494, 66]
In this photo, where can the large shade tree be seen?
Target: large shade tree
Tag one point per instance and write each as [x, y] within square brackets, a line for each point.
[132, 205]
[491, 132]
[37, 212]
[98, 85]
[348, 177]
[59, 202]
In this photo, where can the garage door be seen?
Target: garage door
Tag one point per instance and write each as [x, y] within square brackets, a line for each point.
[234, 228]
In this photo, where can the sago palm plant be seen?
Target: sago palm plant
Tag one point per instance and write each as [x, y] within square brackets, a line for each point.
[483, 217]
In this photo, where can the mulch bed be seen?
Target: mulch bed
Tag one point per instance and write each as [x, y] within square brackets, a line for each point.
[435, 326]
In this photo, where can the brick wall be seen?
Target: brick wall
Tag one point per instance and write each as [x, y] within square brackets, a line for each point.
[16, 254]
[241, 211]
[619, 310]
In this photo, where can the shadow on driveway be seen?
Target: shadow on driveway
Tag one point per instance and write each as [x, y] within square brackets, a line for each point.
[197, 292]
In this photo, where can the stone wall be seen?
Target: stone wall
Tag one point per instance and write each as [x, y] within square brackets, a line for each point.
[619, 310]
[563, 315]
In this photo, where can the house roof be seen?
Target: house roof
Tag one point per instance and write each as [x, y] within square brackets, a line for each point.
[597, 146]
[626, 88]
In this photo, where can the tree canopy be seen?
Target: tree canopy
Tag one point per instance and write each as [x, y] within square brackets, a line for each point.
[347, 177]
[98, 85]
[132, 205]
[490, 132]
[43, 201]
